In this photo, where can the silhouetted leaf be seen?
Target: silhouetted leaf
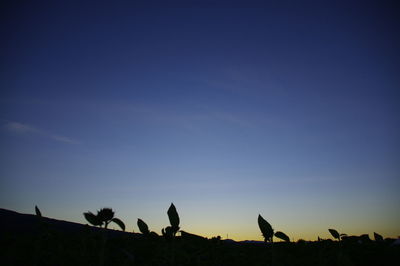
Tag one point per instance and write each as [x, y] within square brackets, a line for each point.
[143, 227]
[378, 237]
[119, 222]
[282, 236]
[38, 213]
[105, 214]
[266, 228]
[173, 217]
[92, 219]
[334, 233]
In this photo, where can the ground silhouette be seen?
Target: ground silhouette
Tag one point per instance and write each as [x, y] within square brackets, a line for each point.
[36, 240]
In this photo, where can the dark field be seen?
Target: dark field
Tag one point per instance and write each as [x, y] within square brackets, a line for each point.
[30, 240]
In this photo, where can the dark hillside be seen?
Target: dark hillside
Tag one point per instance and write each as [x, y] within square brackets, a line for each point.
[18, 223]
[31, 240]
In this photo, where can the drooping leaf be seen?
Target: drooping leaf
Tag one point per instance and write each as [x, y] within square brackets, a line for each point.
[266, 228]
[282, 236]
[105, 214]
[378, 237]
[334, 233]
[144, 229]
[37, 211]
[173, 217]
[119, 222]
[92, 219]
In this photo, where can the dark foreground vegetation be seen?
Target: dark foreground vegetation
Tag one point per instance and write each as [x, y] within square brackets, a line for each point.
[36, 240]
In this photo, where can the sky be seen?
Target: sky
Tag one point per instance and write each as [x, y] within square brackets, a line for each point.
[288, 109]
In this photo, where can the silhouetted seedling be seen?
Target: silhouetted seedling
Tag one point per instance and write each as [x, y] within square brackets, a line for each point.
[173, 218]
[282, 236]
[378, 237]
[37, 211]
[144, 229]
[170, 231]
[266, 229]
[103, 217]
[336, 234]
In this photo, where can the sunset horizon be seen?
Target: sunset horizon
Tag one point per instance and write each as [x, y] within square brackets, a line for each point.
[284, 109]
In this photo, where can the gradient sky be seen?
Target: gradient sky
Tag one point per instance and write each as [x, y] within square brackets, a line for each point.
[290, 110]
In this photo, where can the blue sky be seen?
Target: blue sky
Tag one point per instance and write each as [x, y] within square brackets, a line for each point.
[228, 110]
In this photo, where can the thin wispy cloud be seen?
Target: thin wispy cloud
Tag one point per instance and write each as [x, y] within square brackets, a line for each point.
[20, 128]
[64, 139]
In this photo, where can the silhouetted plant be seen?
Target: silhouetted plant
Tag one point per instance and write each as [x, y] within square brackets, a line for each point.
[378, 237]
[144, 229]
[336, 234]
[170, 231]
[266, 229]
[103, 217]
[173, 218]
[37, 211]
[282, 236]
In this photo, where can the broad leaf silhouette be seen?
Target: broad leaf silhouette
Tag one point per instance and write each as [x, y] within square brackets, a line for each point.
[119, 223]
[144, 229]
[37, 211]
[92, 219]
[282, 236]
[266, 229]
[173, 219]
[378, 237]
[173, 216]
[334, 233]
